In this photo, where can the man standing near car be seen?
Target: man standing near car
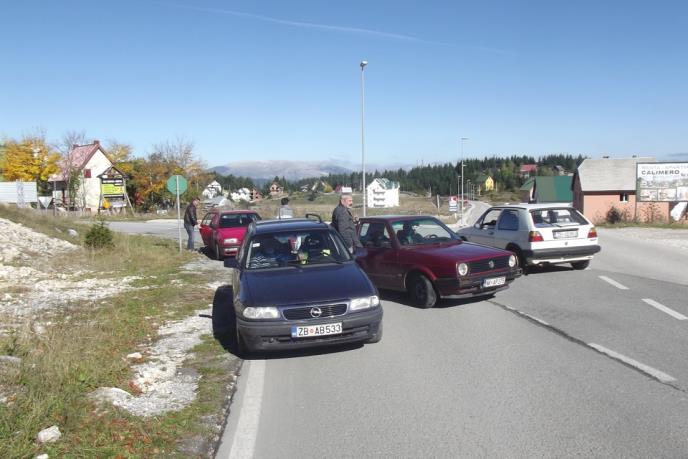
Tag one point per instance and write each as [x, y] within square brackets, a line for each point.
[190, 222]
[343, 222]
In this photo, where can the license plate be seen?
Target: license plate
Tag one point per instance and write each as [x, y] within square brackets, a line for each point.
[494, 281]
[565, 234]
[316, 330]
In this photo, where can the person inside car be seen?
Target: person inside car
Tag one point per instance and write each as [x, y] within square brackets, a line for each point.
[269, 254]
[314, 249]
[407, 235]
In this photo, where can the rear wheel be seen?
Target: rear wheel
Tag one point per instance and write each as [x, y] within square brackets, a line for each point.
[580, 264]
[422, 291]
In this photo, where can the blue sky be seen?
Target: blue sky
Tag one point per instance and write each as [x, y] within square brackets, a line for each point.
[260, 80]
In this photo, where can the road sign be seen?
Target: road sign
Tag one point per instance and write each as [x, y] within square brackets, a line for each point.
[172, 184]
[453, 203]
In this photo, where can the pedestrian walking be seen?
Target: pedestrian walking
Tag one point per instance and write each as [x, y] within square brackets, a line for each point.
[343, 222]
[190, 222]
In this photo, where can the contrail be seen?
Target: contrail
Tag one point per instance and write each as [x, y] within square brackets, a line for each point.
[334, 28]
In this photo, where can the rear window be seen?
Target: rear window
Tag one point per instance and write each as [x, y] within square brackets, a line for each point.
[236, 220]
[559, 216]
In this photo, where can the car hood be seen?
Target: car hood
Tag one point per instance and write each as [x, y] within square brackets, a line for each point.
[464, 251]
[309, 284]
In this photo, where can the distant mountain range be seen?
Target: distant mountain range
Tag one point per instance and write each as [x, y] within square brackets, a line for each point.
[261, 171]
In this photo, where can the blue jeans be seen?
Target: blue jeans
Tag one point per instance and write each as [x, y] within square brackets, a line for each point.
[191, 231]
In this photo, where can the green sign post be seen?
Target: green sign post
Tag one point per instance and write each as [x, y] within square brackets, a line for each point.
[177, 185]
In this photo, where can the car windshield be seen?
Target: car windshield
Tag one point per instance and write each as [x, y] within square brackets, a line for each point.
[236, 220]
[422, 231]
[296, 248]
[557, 216]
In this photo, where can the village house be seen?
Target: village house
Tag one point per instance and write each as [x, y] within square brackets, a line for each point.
[484, 183]
[527, 170]
[382, 193]
[85, 164]
[276, 190]
[213, 190]
[602, 184]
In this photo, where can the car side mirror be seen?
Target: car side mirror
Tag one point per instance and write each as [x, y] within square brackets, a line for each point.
[477, 226]
[232, 262]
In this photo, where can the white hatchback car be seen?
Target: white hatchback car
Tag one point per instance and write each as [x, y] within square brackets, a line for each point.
[537, 233]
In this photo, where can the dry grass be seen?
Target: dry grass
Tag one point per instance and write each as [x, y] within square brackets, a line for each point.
[84, 347]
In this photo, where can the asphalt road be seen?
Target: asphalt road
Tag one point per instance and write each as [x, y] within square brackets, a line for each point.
[565, 363]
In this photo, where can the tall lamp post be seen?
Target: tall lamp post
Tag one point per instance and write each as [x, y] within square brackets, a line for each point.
[462, 140]
[363, 64]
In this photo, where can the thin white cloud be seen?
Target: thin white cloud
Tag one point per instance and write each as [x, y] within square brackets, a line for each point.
[334, 28]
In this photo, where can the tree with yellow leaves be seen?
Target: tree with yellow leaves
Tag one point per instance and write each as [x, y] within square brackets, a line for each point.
[30, 159]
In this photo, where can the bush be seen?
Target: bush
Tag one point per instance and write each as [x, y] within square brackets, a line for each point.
[99, 236]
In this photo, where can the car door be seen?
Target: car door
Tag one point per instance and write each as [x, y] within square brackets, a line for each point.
[508, 229]
[205, 229]
[381, 261]
[483, 232]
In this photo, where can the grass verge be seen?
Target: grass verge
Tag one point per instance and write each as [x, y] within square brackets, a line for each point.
[85, 345]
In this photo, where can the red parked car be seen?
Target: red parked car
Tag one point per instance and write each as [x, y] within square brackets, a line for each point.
[223, 230]
[422, 256]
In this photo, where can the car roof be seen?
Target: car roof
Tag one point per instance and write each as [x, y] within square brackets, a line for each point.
[287, 224]
[534, 206]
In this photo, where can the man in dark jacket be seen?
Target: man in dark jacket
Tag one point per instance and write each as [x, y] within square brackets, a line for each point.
[190, 222]
[343, 222]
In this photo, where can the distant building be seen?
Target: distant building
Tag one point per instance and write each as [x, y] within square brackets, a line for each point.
[212, 190]
[85, 163]
[255, 195]
[600, 184]
[241, 194]
[484, 183]
[382, 193]
[527, 170]
[276, 190]
[547, 189]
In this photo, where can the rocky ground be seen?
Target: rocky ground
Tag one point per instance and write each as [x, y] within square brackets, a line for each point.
[30, 289]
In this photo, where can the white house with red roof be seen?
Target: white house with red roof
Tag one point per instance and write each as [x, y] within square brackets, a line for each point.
[527, 170]
[85, 163]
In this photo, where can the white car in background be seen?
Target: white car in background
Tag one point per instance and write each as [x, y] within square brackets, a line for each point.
[537, 233]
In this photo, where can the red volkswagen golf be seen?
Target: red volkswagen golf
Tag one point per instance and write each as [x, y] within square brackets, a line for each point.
[423, 257]
[223, 230]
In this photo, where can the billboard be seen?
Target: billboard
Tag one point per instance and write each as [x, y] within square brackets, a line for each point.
[112, 188]
[661, 182]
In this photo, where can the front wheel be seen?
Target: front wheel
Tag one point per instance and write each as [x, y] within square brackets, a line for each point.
[422, 291]
[580, 264]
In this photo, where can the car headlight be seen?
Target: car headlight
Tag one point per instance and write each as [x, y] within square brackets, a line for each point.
[265, 312]
[512, 261]
[231, 240]
[364, 303]
[462, 269]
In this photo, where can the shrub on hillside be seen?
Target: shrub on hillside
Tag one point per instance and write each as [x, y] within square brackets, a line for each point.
[99, 236]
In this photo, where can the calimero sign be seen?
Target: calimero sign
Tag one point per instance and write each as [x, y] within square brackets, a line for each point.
[662, 182]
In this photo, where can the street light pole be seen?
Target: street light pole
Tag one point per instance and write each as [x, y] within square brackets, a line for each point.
[462, 140]
[364, 192]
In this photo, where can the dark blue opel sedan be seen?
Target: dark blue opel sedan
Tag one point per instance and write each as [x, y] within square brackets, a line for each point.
[296, 285]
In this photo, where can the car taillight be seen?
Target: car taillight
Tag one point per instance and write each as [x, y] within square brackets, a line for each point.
[592, 232]
[535, 236]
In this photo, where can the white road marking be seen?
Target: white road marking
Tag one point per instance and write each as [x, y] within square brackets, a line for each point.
[634, 363]
[613, 282]
[244, 441]
[664, 309]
